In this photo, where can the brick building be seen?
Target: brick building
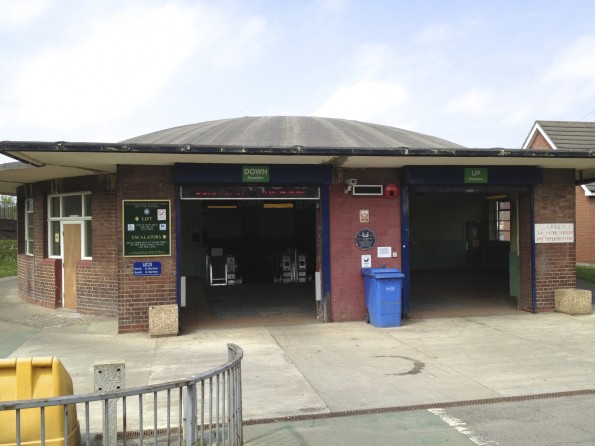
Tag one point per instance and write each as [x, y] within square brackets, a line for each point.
[292, 203]
[572, 136]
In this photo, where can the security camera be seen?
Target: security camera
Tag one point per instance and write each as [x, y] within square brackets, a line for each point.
[351, 181]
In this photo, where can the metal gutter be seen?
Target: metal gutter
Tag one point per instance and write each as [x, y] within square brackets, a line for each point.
[11, 148]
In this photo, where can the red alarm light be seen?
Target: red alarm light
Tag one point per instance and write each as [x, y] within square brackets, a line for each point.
[391, 191]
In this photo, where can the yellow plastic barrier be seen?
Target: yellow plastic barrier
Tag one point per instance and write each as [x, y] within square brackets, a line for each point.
[31, 378]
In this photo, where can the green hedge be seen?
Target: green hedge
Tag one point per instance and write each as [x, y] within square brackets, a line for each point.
[8, 258]
[586, 273]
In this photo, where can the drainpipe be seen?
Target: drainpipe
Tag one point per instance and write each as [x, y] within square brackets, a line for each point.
[533, 273]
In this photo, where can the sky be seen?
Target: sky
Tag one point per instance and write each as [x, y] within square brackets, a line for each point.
[477, 73]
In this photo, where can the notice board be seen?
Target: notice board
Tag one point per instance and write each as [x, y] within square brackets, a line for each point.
[146, 227]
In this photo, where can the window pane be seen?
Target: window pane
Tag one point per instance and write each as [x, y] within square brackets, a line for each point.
[87, 198]
[73, 206]
[30, 247]
[88, 239]
[55, 207]
[55, 238]
[29, 233]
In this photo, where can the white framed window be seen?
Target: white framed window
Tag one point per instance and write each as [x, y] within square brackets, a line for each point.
[500, 221]
[69, 208]
[29, 226]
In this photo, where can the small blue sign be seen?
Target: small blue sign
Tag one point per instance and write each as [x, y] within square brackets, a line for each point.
[147, 268]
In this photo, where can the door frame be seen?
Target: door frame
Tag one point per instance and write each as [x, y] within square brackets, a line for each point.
[63, 249]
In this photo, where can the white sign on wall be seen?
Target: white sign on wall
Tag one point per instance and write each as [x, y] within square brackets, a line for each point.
[554, 233]
[366, 261]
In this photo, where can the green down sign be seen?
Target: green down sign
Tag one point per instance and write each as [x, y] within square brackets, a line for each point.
[146, 227]
[255, 174]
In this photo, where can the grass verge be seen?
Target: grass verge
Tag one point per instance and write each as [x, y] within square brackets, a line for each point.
[8, 258]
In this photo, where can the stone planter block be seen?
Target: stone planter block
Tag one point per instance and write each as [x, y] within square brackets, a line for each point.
[573, 301]
[163, 320]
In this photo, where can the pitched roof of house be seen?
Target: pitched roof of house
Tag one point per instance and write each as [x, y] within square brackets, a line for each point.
[564, 135]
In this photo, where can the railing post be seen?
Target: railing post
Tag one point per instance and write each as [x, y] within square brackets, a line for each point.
[109, 376]
[190, 415]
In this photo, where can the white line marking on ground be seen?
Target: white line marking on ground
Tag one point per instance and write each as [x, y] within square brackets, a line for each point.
[461, 427]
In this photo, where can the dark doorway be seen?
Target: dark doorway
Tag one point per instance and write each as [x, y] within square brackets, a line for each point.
[463, 243]
[250, 260]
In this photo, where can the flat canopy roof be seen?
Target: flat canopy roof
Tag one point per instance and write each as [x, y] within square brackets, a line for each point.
[271, 140]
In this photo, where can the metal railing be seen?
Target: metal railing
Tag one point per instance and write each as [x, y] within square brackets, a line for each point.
[203, 409]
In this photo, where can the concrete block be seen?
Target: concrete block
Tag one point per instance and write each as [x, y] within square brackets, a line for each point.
[573, 301]
[163, 320]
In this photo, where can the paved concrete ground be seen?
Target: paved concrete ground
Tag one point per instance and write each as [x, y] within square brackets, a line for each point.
[315, 369]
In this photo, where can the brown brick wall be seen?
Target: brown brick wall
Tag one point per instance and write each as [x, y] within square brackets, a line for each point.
[40, 277]
[137, 294]
[585, 227]
[97, 279]
[347, 285]
[555, 265]
[540, 143]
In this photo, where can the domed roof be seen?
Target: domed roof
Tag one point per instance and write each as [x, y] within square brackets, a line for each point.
[292, 131]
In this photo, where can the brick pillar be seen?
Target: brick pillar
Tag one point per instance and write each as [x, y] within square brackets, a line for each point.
[137, 294]
[555, 263]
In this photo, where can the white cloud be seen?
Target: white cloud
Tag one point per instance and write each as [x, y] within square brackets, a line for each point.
[473, 102]
[433, 34]
[121, 61]
[109, 71]
[372, 58]
[364, 100]
[577, 62]
[18, 13]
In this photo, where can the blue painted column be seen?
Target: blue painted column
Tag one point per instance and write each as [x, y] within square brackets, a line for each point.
[405, 252]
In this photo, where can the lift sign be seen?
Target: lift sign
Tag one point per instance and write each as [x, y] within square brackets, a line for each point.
[147, 268]
[255, 174]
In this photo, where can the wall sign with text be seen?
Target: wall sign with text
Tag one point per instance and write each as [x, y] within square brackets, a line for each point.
[554, 233]
[146, 227]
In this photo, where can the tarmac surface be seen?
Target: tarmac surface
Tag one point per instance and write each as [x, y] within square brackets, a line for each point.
[339, 383]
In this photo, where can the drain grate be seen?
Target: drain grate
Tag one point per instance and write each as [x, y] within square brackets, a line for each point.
[349, 413]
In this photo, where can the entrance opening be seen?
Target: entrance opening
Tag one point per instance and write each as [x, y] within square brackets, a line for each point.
[464, 252]
[248, 261]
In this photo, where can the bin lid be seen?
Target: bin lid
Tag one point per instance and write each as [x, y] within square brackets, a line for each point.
[383, 273]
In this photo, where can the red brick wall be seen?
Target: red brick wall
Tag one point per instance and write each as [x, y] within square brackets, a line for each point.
[40, 277]
[585, 227]
[347, 302]
[555, 265]
[97, 279]
[540, 143]
[137, 294]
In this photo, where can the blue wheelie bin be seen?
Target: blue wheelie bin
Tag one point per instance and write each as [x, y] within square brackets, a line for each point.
[383, 295]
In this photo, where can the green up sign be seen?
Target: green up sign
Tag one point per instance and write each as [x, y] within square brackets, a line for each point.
[476, 175]
[255, 174]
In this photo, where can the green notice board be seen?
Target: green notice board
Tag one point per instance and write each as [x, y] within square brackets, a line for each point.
[476, 175]
[146, 227]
